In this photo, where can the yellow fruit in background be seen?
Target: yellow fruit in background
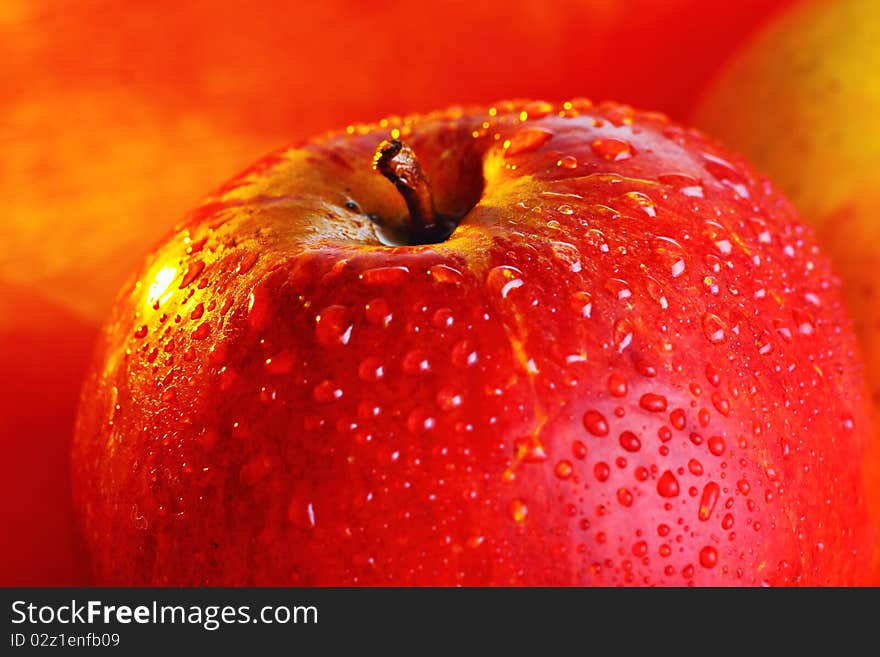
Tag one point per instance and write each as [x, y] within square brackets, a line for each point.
[801, 99]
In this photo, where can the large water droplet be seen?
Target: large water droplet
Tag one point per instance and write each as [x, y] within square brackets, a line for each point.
[327, 391]
[708, 500]
[464, 354]
[687, 185]
[618, 288]
[667, 485]
[612, 149]
[716, 445]
[416, 362]
[726, 174]
[371, 370]
[564, 469]
[713, 328]
[653, 402]
[195, 270]
[582, 303]
[595, 423]
[333, 326]
[670, 253]
[445, 274]
[622, 334]
[630, 441]
[378, 313]
[625, 497]
[708, 557]
[449, 398]
[642, 202]
[503, 280]
[526, 140]
[384, 276]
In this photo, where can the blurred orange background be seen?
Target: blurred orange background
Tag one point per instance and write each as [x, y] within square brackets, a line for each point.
[116, 117]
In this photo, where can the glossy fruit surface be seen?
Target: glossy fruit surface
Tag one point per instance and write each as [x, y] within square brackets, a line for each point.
[629, 364]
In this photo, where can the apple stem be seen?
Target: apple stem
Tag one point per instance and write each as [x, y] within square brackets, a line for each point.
[399, 164]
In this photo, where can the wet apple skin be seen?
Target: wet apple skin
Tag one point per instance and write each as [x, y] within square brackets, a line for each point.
[630, 364]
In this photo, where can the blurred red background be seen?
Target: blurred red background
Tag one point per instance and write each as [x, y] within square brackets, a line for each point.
[115, 117]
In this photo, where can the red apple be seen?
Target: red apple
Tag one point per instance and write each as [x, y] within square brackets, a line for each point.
[627, 364]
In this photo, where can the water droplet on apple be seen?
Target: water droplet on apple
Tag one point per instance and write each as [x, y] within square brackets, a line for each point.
[192, 273]
[567, 162]
[653, 402]
[464, 354]
[280, 363]
[564, 469]
[445, 274]
[503, 280]
[695, 467]
[384, 276]
[448, 398]
[601, 471]
[612, 149]
[420, 420]
[713, 328]
[716, 445]
[667, 485]
[622, 334]
[708, 500]
[687, 185]
[581, 303]
[721, 404]
[726, 174]
[642, 202]
[579, 450]
[527, 140]
[655, 291]
[630, 441]
[443, 318]
[678, 419]
[804, 321]
[567, 254]
[248, 260]
[670, 254]
[378, 313]
[202, 332]
[371, 370]
[708, 557]
[618, 288]
[416, 362]
[327, 391]
[617, 385]
[333, 326]
[595, 423]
